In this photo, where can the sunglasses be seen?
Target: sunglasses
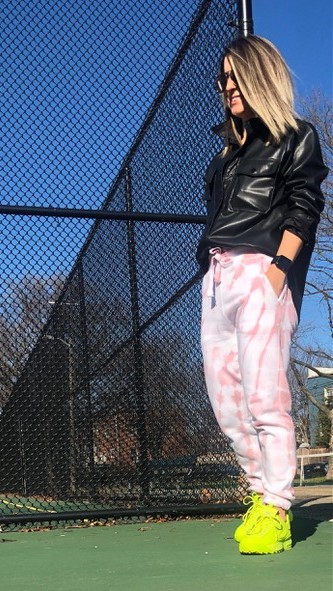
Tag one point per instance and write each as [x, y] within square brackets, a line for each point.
[222, 80]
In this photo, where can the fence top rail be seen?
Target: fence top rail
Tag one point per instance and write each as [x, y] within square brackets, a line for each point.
[101, 214]
[314, 455]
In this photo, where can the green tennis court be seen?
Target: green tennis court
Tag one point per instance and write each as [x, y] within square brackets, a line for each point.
[187, 555]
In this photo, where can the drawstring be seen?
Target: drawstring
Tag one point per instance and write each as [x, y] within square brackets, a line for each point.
[218, 257]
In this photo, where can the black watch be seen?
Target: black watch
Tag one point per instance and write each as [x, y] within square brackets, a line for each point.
[282, 262]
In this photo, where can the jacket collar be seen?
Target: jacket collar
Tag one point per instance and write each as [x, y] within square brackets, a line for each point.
[255, 127]
[223, 130]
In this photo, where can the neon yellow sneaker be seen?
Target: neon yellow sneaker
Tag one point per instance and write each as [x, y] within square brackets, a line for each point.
[255, 502]
[269, 534]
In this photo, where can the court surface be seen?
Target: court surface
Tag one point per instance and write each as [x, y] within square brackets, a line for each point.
[184, 555]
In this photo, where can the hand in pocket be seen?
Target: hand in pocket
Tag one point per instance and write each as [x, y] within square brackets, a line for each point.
[277, 279]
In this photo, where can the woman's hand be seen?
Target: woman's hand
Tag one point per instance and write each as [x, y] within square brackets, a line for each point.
[290, 246]
[277, 279]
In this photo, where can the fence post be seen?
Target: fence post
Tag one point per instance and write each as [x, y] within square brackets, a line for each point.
[143, 467]
[245, 21]
[22, 455]
[301, 474]
[86, 374]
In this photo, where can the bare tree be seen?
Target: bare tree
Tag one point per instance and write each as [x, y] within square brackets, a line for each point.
[26, 309]
[297, 365]
[300, 408]
[318, 109]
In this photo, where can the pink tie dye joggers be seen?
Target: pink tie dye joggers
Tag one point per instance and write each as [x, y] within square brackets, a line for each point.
[246, 336]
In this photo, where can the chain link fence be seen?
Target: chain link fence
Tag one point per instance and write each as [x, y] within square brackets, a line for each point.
[107, 107]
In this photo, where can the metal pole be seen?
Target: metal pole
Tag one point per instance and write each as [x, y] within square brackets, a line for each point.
[143, 465]
[71, 410]
[86, 373]
[23, 458]
[169, 510]
[101, 214]
[245, 21]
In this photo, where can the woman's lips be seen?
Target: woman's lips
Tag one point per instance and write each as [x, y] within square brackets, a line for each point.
[234, 98]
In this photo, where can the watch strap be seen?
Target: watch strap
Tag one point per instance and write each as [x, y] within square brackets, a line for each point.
[282, 262]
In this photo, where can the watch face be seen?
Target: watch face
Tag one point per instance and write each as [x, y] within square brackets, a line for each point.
[282, 263]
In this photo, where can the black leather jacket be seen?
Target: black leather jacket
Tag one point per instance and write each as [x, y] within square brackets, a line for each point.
[258, 190]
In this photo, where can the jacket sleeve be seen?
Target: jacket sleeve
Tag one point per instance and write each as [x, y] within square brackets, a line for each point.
[303, 178]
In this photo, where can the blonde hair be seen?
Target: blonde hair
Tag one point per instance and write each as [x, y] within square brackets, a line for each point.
[265, 82]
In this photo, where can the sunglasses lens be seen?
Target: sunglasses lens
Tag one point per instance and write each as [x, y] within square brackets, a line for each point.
[220, 83]
[222, 79]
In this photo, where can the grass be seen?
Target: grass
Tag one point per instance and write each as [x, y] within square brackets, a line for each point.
[314, 481]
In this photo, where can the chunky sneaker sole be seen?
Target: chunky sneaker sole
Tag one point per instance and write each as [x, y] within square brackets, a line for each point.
[268, 535]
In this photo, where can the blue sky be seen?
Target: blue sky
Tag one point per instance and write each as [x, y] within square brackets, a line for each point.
[63, 141]
[302, 30]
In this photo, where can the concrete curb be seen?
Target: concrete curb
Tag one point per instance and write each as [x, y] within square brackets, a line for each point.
[314, 502]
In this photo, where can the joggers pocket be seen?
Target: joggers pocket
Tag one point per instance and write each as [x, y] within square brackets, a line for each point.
[269, 290]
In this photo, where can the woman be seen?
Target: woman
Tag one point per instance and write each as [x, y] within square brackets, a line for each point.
[264, 202]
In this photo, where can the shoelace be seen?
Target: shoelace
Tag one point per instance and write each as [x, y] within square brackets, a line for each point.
[248, 500]
[266, 521]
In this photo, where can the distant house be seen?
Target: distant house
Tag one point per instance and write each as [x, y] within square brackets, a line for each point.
[321, 388]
